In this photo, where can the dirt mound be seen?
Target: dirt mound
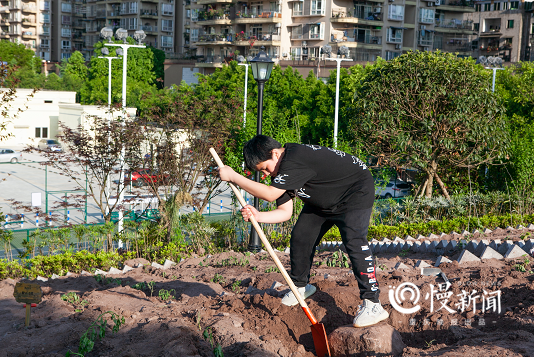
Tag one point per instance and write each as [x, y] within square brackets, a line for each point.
[232, 300]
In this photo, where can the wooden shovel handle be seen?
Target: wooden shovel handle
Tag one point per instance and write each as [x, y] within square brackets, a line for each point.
[267, 245]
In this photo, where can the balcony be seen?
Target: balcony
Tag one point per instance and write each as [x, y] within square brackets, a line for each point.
[15, 19]
[149, 13]
[28, 21]
[15, 5]
[367, 42]
[256, 39]
[375, 19]
[454, 26]
[4, 8]
[150, 30]
[209, 62]
[215, 39]
[29, 34]
[264, 17]
[457, 5]
[29, 8]
[491, 33]
[4, 22]
[214, 21]
[207, 2]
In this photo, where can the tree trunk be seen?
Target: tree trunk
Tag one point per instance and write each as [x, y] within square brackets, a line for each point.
[430, 183]
[421, 189]
[443, 188]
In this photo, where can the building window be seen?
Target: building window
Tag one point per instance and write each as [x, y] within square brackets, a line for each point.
[65, 45]
[476, 27]
[396, 12]
[45, 18]
[194, 35]
[274, 6]
[317, 7]
[497, 6]
[391, 55]
[316, 31]
[166, 41]
[297, 8]
[65, 20]
[66, 7]
[510, 24]
[426, 16]
[167, 9]
[487, 7]
[514, 5]
[166, 25]
[65, 55]
[296, 32]
[394, 35]
[65, 32]
[256, 8]
[478, 7]
[41, 132]
[45, 43]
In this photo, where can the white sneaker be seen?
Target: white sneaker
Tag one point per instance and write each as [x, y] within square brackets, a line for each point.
[289, 299]
[369, 314]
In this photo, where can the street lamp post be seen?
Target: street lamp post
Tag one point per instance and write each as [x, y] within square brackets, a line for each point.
[242, 59]
[105, 51]
[262, 66]
[338, 60]
[493, 63]
[122, 34]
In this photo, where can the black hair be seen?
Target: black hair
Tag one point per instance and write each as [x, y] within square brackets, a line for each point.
[259, 149]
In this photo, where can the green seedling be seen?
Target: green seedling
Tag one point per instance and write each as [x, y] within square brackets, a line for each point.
[272, 269]
[198, 319]
[99, 278]
[218, 278]
[403, 253]
[255, 268]
[151, 287]
[236, 286]
[339, 259]
[74, 299]
[208, 336]
[383, 267]
[165, 295]
[140, 286]
[96, 331]
[429, 343]
[522, 267]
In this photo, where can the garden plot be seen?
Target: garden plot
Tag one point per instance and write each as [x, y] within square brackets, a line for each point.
[229, 304]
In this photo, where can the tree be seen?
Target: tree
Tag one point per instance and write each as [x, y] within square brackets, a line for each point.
[140, 77]
[430, 111]
[159, 68]
[92, 158]
[73, 73]
[16, 54]
[179, 132]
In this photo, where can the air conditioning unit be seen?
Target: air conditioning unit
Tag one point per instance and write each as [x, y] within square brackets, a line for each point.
[438, 2]
[430, 4]
[398, 46]
[304, 43]
[378, 10]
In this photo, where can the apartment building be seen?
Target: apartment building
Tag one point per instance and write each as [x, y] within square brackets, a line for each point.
[19, 22]
[503, 29]
[298, 29]
[157, 18]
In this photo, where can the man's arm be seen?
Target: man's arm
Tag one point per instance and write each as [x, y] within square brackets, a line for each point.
[256, 189]
[281, 214]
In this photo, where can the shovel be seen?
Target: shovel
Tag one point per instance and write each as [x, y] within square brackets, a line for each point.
[318, 332]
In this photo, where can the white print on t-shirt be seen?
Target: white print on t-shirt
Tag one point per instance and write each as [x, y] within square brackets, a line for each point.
[301, 193]
[355, 161]
[314, 147]
[280, 179]
[338, 152]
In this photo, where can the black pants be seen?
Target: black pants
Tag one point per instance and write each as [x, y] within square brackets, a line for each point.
[353, 226]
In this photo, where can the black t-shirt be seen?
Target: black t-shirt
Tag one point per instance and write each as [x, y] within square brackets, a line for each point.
[327, 180]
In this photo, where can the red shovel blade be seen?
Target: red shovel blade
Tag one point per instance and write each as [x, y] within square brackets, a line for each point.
[320, 340]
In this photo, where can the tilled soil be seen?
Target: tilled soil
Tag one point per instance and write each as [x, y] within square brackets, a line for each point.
[233, 298]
